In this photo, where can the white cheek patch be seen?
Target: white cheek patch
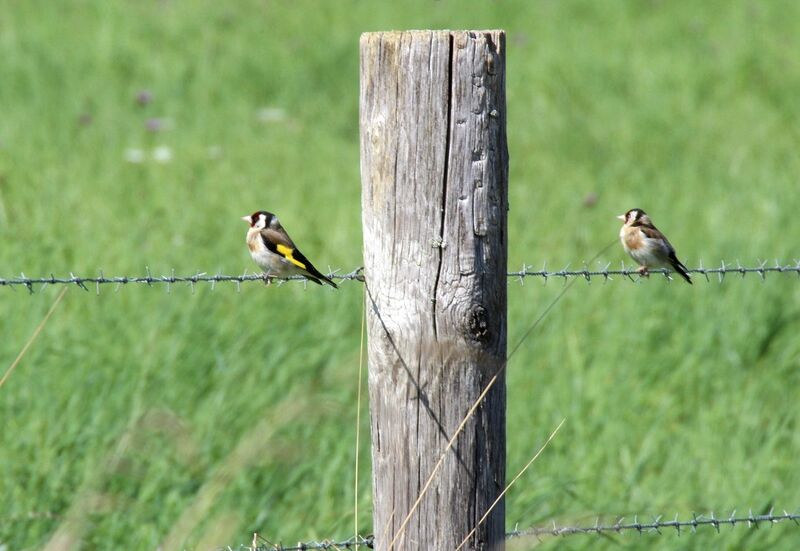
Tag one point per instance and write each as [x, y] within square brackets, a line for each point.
[261, 224]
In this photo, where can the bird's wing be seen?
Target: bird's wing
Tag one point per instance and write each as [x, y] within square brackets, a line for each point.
[652, 233]
[310, 269]
[278, 236]
[666, 249]
[278, 241]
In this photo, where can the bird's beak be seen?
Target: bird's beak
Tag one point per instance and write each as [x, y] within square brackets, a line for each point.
[621, 217]
[246, 219]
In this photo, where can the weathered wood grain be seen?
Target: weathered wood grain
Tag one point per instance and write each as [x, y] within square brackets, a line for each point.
[434, 169]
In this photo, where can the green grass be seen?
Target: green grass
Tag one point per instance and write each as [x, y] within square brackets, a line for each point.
[142, 418]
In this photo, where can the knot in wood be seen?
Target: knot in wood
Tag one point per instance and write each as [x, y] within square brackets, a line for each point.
[478, 323]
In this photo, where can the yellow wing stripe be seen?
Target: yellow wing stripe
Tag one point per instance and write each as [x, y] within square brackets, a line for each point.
[287, 252]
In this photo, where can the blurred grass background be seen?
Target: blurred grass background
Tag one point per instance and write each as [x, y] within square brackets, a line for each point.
[142, 419]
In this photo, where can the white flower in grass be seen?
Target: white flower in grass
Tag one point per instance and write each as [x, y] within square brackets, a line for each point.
[162, 154]
[267, 115]
[134, 155]
[214, 152]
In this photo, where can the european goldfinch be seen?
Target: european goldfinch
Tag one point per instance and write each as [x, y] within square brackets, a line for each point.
[648, 246]
[274, 251]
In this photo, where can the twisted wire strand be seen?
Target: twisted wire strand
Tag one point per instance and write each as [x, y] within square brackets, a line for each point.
[605, 273]
[351, 543]
[168, 280]
[655, 526]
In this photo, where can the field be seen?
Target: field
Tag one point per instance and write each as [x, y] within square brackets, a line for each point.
[134, 135]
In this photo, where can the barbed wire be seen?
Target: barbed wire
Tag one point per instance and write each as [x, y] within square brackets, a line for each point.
[168, 280]
[605, 273]
[351, 543]
[654, 526]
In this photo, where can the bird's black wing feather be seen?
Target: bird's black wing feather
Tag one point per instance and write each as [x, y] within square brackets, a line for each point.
[679, 267]
[309, 267]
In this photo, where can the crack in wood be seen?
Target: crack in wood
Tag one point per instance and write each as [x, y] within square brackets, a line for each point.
[447, 145]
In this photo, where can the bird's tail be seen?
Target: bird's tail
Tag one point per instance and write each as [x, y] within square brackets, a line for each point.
[681, 269]
[315, 275]
[328, 281]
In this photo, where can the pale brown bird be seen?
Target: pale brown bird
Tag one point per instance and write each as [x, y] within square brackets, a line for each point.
[647, 245]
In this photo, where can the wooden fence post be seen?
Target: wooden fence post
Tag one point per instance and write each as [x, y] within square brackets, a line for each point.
[434, 170]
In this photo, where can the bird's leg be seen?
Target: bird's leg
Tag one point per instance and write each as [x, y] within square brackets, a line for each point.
[643, 271]
[267, 279]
